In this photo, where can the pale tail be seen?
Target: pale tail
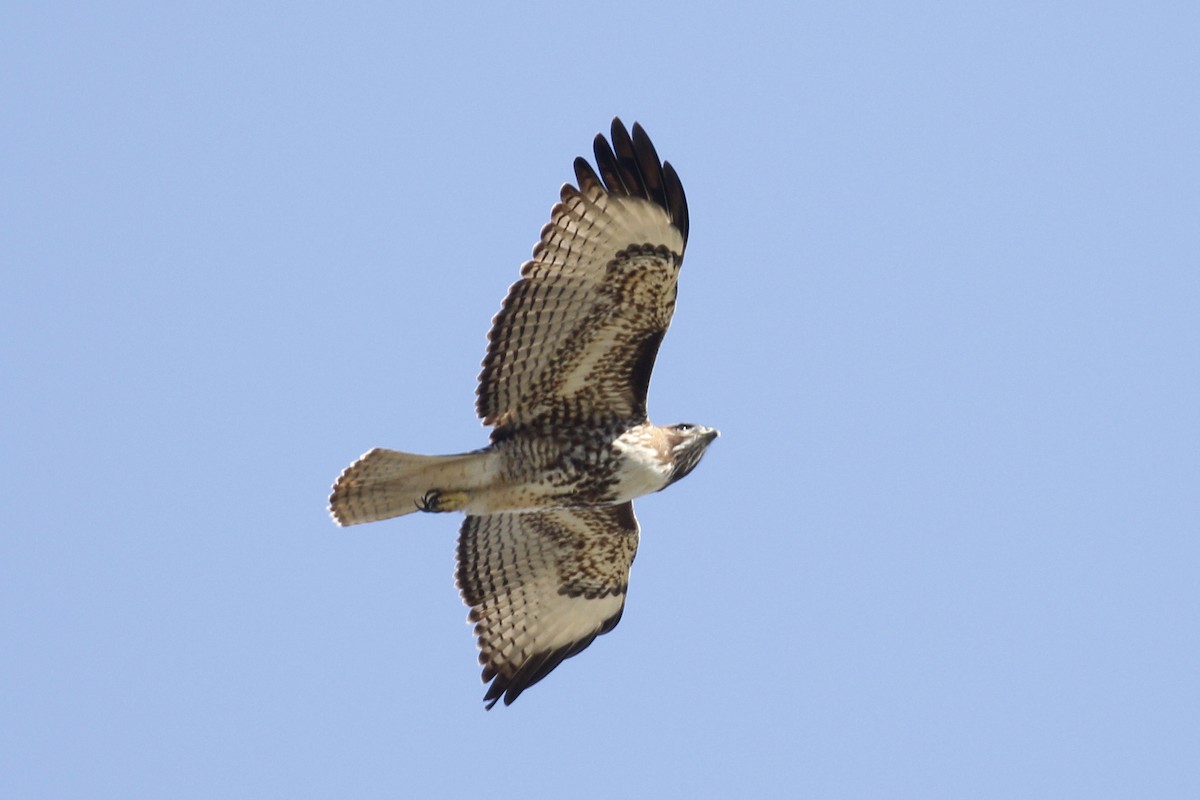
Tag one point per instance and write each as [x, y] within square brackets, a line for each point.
[387, 483]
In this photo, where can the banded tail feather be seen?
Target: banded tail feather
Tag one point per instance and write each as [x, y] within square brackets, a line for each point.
[388, 483]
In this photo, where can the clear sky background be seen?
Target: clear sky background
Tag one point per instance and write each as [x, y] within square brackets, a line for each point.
[941, 297]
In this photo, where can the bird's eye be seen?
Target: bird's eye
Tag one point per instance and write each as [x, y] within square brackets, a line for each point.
[684, 427]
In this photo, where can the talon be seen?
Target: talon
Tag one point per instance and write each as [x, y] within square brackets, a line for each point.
[435, 501]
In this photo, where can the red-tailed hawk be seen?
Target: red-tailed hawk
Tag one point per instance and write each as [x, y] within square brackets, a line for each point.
[550, 535]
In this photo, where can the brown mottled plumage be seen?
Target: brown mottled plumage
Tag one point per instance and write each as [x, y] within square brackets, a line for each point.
[545, 551]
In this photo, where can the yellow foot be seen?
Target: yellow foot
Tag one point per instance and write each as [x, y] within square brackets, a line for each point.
[437, 501]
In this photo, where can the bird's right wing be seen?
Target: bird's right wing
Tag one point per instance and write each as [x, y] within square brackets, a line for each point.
[542, 586]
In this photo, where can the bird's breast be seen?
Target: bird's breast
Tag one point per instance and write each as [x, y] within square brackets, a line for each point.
[639, 468]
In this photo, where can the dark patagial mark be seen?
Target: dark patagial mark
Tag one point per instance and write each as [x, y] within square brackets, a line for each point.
[643, 366]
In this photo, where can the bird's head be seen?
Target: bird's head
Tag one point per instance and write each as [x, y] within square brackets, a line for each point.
[688, 443]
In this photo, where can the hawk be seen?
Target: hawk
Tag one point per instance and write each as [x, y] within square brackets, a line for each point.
[549, 537]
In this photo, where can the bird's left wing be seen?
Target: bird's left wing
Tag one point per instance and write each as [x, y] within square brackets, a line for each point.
[542, 586]
[576, 338]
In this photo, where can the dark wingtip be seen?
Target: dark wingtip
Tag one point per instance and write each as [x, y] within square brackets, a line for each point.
[606, 165]
[509, 688]
[628, 165]
[585, 176]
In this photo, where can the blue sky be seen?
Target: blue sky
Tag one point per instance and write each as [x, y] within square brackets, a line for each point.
[941, 298]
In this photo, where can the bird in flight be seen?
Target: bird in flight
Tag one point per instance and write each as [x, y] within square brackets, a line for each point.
[545, 551]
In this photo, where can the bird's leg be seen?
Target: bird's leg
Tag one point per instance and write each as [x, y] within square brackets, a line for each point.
[436, 501]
